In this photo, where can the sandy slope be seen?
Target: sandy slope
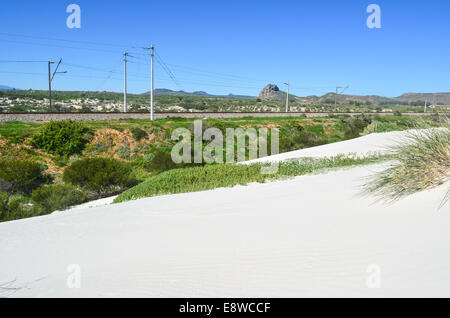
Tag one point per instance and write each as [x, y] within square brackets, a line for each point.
[308, 236]
[369, 144]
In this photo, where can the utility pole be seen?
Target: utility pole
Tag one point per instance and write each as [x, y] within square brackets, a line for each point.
[50, 79]
[337, 93]
[287, 96]
[125, 108]
[152, 48]
[152, 84]
[335, 96]
[425, 109]
[50, 87]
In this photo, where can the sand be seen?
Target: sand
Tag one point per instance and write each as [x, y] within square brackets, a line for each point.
[304, 237]
[362, 146]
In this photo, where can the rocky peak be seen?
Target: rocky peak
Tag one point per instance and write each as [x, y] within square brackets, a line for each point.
[269, 92]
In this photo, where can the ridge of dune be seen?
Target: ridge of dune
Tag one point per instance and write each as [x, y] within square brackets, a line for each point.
[365, 145]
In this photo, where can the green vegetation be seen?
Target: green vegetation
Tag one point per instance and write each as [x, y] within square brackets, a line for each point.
[421, 162]
[138, 133]
[14, 207]
[357, 126]
[21, 176]
[161, 161]
[63, 138]
[102, 176]
[49, 198]
[228, 175]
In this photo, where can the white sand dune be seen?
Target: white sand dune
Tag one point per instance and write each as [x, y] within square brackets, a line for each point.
[366, 145]
[303, 237]
[93, 204]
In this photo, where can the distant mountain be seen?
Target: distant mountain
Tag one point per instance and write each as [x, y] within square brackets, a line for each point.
[165, 91]
[7, 88]
[272, 92]
[433, 98]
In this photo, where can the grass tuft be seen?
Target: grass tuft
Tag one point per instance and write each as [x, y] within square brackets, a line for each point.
[422, 161]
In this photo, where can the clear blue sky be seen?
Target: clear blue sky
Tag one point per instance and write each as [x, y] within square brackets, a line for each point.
[232, 46]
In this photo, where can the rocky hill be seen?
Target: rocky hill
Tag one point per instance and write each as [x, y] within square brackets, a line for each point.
[273, 93]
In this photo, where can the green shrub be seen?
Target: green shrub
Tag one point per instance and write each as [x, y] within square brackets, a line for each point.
[14, 207]
[49, 198]
[144, 161]
[103, 176]
[298, 139]
[63, 138]
[356, 127]
[3, 204]
[21, 176]
[161, 161]
[138, 133]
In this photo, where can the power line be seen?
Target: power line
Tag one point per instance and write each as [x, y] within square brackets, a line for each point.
[109, 76]
[165, 66]
[104, 70]
[171, 77]
[209, 72]
[212, 84]
[27, 73]
[67, 47]
[70, 41]
[167, 70]
[23, 61]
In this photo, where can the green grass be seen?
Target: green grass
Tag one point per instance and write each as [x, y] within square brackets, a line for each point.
[318, 130]
[228, 175]
[16, 131]
[421, 162]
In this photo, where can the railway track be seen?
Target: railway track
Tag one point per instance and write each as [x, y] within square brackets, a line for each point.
[29, 117]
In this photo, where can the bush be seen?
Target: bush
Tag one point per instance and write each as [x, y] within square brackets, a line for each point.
[161, 161]
[21, 176]
[138, 133]
[298, 139]
[356, 127]
[103, 176]
[49, 198]
[63, 138]
[3, 204]
[14, 207]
